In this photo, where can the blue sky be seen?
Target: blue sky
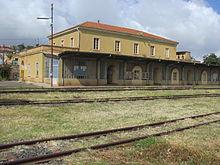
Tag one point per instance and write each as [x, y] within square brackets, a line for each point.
[195, 24]
[215, 4]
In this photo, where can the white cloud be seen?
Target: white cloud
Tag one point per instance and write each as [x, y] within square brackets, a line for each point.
[192, 23]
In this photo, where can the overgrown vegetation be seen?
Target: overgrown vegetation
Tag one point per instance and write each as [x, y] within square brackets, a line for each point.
[160, 152]
[92, 95]
[196, 146]
[21, 47]
[211, 59]
[4, 72]
[9, 56]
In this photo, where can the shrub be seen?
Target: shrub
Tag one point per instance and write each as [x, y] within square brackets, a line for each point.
[5, 72]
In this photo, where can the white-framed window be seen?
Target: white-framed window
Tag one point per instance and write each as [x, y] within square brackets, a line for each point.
[96, 44]
[61, 42]
[37, 69]
[117, 46]
[72, 42]
[136, 48]
[152, 50]
[167, 52]
[29, 69]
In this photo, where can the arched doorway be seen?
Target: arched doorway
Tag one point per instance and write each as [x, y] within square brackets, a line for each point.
[110, 74]
[204, 77]
[189, 77]
[137, 73]
[175, 76]
[157, 76]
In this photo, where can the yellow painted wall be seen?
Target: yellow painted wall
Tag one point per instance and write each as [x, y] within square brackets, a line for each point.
[67, 39]
[32, 60]
[185, 56]
[107, 45]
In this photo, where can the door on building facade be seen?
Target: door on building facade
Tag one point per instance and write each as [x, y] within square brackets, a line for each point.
[215, 77]
[157, 76]
[137, 75]
[189, 77]
[55, 71]
[175, 76]
[204, 77]
[110, 74]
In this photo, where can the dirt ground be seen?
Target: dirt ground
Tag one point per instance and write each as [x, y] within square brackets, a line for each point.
[17, 84]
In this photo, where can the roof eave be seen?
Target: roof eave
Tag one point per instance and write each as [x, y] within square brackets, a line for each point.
[127, 34]
[90, 54]
[69, 30]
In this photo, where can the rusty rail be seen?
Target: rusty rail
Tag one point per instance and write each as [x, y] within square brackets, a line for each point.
[101, 90]
[104, 132]
[49, 102]
[65, 153]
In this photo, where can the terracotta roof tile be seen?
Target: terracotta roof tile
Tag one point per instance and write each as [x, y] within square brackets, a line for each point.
[122, 30]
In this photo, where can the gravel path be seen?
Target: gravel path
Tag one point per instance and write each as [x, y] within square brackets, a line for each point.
[16, 84]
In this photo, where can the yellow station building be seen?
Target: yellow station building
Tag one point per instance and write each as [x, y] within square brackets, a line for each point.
[92, 53]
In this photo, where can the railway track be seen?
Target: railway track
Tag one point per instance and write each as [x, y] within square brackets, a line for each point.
[47, 157]
[102, 89]
[51, 102]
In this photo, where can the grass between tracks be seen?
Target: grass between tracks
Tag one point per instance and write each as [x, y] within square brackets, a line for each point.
[195, 146]
[19, 97]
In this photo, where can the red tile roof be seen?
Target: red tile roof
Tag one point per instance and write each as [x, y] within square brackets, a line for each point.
[122, 30]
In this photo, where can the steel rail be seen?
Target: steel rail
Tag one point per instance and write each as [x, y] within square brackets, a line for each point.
[94, 147]
[84, 90]
[103, 132]
[99, 90]
[106, 99]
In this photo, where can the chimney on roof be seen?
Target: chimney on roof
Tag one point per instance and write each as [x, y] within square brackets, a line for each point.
[98, 21]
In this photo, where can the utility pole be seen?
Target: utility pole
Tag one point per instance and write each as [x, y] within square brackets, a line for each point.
[51, 43]
[3, 56]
